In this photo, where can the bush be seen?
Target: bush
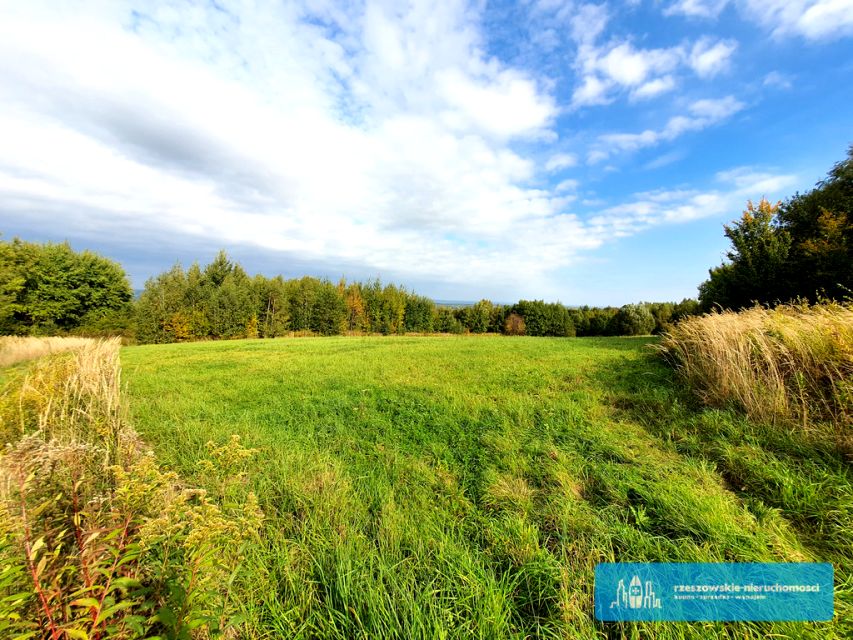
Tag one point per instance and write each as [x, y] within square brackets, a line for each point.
[514, 325]
[632, 320]
[545, 319]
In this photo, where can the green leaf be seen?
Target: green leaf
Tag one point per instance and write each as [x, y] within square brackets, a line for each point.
[85, 602]
[125, 583]
[37, 545]
[106, 613]
[167, 617]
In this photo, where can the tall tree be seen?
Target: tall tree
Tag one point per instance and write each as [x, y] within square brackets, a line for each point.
[50, 287]
[802, 248]
[757, 267]
[821, 225]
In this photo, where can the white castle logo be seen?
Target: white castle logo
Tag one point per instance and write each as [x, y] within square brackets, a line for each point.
[635, 597]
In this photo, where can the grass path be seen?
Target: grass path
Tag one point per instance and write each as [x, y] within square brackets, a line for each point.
[466, 487]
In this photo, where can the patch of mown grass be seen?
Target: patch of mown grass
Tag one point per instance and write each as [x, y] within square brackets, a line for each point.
[451, 487]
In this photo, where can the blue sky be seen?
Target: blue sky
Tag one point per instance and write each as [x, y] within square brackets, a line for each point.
[582, 152]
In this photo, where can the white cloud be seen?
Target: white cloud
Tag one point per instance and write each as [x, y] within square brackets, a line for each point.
[778, 80]
[756, 183]
[711, 111]
[597, 155]
[561, 161]
[507, 104]
[604, 71]
[812, 19]
[567, 185]
[383, 135]
[654, 88]
[708, 58]
[654, 208]
[592, 91]
[701, 114]
[664, 160]
[389, 145]
[629, 67]
[588, 22]
[696, 8]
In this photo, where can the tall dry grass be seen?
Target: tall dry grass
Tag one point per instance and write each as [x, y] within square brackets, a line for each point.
[17, 349]
[790, 364]
[72, 398]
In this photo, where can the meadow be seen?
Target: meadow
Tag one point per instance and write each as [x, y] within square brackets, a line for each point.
[443, 487]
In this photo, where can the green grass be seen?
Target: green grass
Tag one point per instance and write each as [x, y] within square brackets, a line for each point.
[467, 487]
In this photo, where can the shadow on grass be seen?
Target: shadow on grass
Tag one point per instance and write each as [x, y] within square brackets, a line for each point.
[769, 467]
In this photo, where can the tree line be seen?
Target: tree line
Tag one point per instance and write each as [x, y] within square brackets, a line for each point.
[50, 289]
[221, 300]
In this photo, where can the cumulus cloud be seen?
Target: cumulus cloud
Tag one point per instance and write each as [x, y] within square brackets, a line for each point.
[588, 22]
[383, 137]
[696, 8]
[606, 70]
[811, 19]
[378, 137]
[561, 161]
[708, 58]
[653, 88]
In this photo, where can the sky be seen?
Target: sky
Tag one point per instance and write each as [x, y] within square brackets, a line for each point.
[587, 153]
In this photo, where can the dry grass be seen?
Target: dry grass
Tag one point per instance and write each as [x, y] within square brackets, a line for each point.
[791, 364]
[72, 398]
[16, 349]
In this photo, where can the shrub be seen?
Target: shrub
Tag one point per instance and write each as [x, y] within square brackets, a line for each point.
[514, 325]
[632, 320]
[545, 319]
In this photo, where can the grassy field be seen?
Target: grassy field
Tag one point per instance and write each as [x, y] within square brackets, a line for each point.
[467, 487]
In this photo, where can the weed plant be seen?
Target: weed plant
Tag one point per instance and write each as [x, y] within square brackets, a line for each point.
[96, 540]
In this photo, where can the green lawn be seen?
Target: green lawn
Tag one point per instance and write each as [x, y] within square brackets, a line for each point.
[467, 487]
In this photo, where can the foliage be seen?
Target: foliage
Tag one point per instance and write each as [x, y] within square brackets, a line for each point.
[50, 288]
[799, 249]
[96, 541]
[632, 320]
[515, 325]
[221, 301]
[544, 319]
[447, 322]
[592, 321]
[820, 223]
[756, 271]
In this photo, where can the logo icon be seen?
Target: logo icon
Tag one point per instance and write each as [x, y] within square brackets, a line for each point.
[635, 596]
